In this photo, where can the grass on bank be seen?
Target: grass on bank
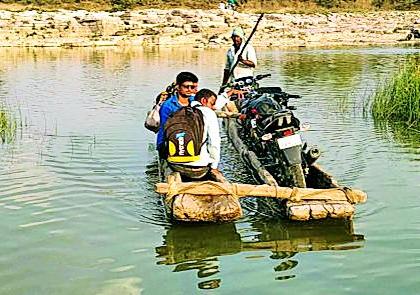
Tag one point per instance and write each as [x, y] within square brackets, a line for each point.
[301, 6]
[398, 100]
[7, 125]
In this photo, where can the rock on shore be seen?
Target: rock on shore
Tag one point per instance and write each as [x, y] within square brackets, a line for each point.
[199, 28]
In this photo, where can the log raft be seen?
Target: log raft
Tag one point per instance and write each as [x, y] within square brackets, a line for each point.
[218, 201]
[187, 205]
[323, 201]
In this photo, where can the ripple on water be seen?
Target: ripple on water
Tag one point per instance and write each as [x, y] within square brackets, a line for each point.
[77, 186]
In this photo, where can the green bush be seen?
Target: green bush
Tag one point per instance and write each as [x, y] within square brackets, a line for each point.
[122, 4]
[7, 126]
[399, 99]
[328, 3]
[397, 4]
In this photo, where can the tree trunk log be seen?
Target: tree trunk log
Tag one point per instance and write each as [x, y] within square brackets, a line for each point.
[211, 188]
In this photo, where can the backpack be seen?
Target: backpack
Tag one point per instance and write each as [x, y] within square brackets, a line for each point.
[152, 121]
[184, 135]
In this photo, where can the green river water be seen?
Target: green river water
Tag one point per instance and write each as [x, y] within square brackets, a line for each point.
[77, 206]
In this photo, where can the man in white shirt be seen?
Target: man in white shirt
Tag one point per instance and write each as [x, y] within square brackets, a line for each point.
[247, 61]
[205, 101]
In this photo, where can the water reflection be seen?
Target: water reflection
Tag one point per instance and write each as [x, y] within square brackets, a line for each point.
[80, 177]
[406, 137]
[192, 247]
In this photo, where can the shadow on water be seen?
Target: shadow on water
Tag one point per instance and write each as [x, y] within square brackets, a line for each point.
[197, 247]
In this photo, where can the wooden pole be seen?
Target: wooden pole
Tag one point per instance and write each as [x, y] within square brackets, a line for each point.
[210, 188]
[227, 114]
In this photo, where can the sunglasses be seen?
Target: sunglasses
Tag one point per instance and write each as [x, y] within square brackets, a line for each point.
[192, 87]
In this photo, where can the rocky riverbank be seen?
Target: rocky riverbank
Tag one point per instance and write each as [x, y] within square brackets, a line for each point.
[199, 28]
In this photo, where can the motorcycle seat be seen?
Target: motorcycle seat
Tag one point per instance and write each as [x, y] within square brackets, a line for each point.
[270, 90]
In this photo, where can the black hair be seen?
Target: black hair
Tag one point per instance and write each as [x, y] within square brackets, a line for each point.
[157, 100]
[204, 93]
[186, 76]
[159, 97]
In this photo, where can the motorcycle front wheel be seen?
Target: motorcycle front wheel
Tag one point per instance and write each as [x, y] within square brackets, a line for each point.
[297, 176]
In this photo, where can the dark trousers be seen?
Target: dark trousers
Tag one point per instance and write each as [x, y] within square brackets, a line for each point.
[162, 152]
[190, 172]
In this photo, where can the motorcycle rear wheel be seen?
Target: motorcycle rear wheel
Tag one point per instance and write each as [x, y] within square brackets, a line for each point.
[297, 176]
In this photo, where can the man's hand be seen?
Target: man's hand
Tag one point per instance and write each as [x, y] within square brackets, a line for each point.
[217, 175]
[238, 93]
[215, 171]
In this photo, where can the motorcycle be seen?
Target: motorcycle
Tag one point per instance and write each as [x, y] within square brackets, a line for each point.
[271, 130]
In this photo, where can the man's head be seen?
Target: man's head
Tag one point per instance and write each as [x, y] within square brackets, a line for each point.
[237, 36]
[186, 84]
[206, 97]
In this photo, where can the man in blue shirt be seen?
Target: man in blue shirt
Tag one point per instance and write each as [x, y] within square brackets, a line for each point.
[186, 87]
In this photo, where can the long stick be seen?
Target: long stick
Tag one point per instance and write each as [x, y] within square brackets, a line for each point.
[210, 188]
[226, 114]
[243, 48]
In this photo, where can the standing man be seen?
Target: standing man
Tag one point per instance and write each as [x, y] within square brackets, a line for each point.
[186, 87]
[247, 60]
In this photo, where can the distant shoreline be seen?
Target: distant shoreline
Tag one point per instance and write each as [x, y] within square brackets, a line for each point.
[201, 28]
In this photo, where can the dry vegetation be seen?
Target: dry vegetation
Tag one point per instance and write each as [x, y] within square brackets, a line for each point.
[300, 6]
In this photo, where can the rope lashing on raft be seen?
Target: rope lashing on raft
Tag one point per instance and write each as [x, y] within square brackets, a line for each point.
[348, 193]
[293, 195]
[173, 190]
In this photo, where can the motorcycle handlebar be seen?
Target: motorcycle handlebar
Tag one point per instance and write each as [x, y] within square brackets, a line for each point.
[293, 96]
[259, 77]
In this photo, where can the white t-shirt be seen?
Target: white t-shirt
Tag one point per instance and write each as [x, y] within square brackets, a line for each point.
[221, 101]
[210, 151]
[241, 70]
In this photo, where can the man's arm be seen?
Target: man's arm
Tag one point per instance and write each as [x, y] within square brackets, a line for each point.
[250, 57]
[164, 113]
[247, 62]
[228, 65]
[213, 140]
[223, 99]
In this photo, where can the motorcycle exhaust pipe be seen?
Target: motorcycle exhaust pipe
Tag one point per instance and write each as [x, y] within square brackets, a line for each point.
[312, 155]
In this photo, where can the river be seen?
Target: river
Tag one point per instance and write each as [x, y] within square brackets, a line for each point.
[78, 210]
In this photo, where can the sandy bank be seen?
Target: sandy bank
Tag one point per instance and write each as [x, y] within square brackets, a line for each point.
[200, 28]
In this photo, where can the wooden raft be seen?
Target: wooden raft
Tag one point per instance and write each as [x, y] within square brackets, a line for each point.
[185, 205]
[212, 201]
[322, 202]
[217, 201]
